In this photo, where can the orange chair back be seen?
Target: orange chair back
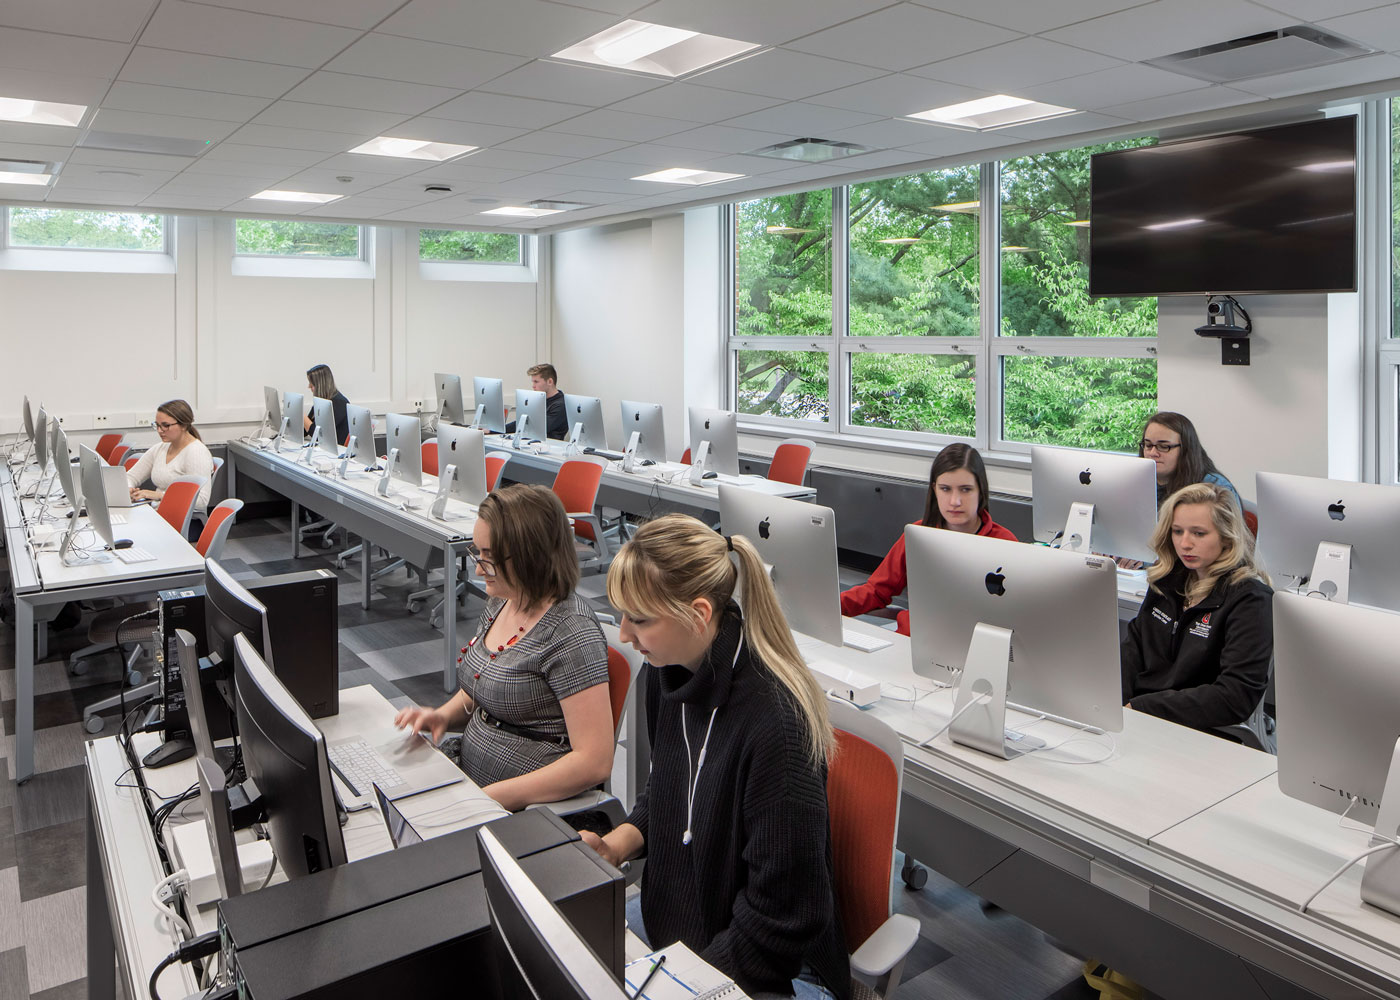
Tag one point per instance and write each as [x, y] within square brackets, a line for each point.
[430, 465]
[495, 462]
[217, 517]
[685, 457]
[130, 463]
[118, 454]
[576, 486]
[619, 683]
[1251, 521]
[105, 444]
[789, 463]
[862, 794]
[177, 504]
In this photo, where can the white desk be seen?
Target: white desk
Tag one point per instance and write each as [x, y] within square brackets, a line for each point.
[123, 863]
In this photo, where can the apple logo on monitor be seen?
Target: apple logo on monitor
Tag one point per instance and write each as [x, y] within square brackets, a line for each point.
[452, 445]
[763, 528]
[707, 424]
[1084, 477]
[1337, 511]
[996, 583]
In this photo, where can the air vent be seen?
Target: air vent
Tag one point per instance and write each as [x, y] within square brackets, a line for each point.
[559, 206]
[132, 143]
[29, 166]
[1265, 54]
[812, 150]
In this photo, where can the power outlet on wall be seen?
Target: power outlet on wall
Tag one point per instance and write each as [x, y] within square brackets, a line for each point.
[99, 421]
[418, 405]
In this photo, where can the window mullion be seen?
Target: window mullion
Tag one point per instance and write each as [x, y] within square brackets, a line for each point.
[838, 405]
[989, 396]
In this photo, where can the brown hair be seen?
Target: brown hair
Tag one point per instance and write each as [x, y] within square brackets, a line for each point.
[1236, 561]
[952, 458]
[322, 381]
[532, 544]
[676, 559]
[1194, 464]
[544, 371]
[180, 412]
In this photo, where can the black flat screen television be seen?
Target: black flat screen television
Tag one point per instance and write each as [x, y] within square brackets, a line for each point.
[1269, 210]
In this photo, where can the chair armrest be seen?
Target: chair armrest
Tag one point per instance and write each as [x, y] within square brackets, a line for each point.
[596, 523]
[887, 947]
[582, 802]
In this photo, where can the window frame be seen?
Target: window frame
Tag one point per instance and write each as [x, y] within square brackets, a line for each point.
[362, 243]
[6, 244]
[523, 243]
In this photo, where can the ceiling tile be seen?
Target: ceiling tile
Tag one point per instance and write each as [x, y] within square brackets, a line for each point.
[1119, 85]
[952, 142]
[787, 74]
[360, 207]
[48, 53]
[172, 126]
[328, 181]
[76, 196]
[1377, 29]
[897, 94]
[114, 178]
[178, 203]
[902, 36]
[237, 152]
[690, 102]
[227, 169]
[517, 159]
[118, 20]
[654, 156]
[35, 85]
[35, 151]
[360, 14]
[522, 27]
[599, 170]
[563, 144]
[215, 31]
[764, 23]
[467, 172]
[1190, 102]
[801, 120]
[589, 197]
[462, 133]
[1316, 10]
[295, 138]
[345, 91]
[46, 135]
[355, 163]
[231, 76]
[218, 189]
[878, 160]
[886, 134]
[1167, 26]
[621, 7]
[611, 124]
[749, 166]
[1005, 69]
[122, 158]
[1367, 69]
[1031, 18]
[187, 103]
[582, 84]
[498, 109]
[616, 187]
[293, 114]
[724, 139]
[393, 57]
[1068, 125]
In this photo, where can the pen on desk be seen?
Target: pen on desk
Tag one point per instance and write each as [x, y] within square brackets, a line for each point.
[647, 981]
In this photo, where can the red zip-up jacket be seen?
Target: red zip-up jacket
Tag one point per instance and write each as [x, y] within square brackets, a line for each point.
[892, 576]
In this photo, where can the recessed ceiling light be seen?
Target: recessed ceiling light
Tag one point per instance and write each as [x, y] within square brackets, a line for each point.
[812, 150]
[522, 211]
[307, 196]
[902, 241]
[996, 111]
[412, 149]
[686, 175]
[968, 207]
[656, 49]
[1081, 223]
[1175, 224]
[16, 177]
[15, 109]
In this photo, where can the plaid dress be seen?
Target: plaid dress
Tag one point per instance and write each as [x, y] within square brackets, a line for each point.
[564, 653]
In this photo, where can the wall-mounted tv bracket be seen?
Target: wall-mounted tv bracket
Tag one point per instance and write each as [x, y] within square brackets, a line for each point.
[1220, 322]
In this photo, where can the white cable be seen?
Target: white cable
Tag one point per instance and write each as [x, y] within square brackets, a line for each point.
[170, 912]
[976, 700]
[1339, 872]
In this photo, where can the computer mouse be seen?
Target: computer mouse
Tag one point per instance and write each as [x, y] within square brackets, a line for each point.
[589, 450]
[647, 461]
[710, 475]
[123, 543]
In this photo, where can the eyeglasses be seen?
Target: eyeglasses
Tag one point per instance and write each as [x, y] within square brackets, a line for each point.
[161, 426]
[488, 566]
[1165, 447]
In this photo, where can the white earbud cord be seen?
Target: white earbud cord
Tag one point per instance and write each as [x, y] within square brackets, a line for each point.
[698, 764]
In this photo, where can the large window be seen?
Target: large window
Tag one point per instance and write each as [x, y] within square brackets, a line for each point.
[295, 238]
[62, 229]
[472, 247]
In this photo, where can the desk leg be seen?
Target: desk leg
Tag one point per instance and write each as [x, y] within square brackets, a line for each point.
[366, 578]
[230, 474]
[101, 949]
[449, 617]
[24, 689]
[296, 533]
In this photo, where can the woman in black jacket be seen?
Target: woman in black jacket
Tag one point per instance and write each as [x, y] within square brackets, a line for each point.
[1198, 652]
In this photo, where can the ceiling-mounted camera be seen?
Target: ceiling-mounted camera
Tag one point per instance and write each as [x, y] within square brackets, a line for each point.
[1221, 322]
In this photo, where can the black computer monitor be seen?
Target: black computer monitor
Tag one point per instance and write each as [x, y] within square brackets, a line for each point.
[555, 962]
[285, 757]
[228, 611]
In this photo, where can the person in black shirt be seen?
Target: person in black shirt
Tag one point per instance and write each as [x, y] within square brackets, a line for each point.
[1198, 652]
[733, 820]
[322, 385]
[544, 378]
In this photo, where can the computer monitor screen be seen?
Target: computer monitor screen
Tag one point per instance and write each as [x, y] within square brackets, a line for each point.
[213, 801]
[285, 756]
[361, 435]
[588, 412]
[323, 416]
[465, 449]
[28, 420]
[721, 429]
[645, 419]
[1298, 513]
[90, 480]
[71, 491]
[489, 398]
[200, 734]
[799, 541]
[272, 406]
[41, 441]
[555, 962]
[294, 412]
[449, 397]
[1060, 607]
[1122, 489]
[404, 433]
[531, 403]
[230, 611]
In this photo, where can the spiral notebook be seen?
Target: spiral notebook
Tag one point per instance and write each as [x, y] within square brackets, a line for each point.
[683, 976]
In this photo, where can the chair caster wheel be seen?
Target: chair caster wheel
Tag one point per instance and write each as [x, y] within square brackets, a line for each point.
[134, 679]
[414, 607]
[78, 667]
[94, 724]
[434, 621]
[915, 876]
[327, 542]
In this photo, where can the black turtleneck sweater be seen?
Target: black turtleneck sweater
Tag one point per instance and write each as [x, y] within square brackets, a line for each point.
[752, 893]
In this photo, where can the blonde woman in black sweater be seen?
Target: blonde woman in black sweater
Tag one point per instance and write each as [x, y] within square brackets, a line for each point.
[733, 821]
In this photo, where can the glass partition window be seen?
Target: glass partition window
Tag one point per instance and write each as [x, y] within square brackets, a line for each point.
[63, 229]
[296, 238]
[472, 247]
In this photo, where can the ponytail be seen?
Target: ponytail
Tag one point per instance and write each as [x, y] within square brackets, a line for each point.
[183, 414]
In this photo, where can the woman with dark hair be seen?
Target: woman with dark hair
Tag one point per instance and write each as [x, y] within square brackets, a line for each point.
[533, 679]
[322, 385]
[181, 452]
[1170, 440]
[957, 500]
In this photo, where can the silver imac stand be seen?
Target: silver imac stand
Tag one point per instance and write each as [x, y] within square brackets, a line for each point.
[1331, 574]
[986, 676]
[522, 420]
[310, 449]
[698, 462]
[476, 418]
[571, 448]
[263, 424]
[382, 487]
[629, 454]
[283, 430]
[439, 507]
[1380, 882]
[350, 446]
[1078, 527]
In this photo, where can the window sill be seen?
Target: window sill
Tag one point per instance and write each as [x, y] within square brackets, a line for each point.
[91, 261]
[446, 270]
[291, 267]
[1002, 459]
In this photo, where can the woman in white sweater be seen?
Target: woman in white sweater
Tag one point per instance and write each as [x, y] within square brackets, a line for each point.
[181, 452]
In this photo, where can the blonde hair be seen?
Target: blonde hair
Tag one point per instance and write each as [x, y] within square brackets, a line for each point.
[322, 381]
[180, 412]
[1236, 562]
[675, 560]
[532, 544]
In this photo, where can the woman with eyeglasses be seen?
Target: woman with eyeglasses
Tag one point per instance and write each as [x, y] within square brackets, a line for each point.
[181, 452]
[533, 702]
[1170, 440]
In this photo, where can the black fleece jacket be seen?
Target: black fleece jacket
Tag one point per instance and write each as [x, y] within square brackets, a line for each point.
[752, 893]
[1203, 667]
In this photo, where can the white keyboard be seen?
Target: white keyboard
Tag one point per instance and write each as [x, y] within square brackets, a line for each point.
[133, 555]
[116, 518]
[861, 641]
[362, 766]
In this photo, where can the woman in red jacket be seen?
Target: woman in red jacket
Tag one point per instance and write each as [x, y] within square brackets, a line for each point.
[957, 500]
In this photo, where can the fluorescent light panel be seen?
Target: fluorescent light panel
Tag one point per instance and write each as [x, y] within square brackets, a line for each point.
[812, 150]
[655, 49]
[303, 196]
[18, 177]
[17, 109]
[686, 175]
[997, 111]
[412, 149]
[1175, 224]
[522, 211]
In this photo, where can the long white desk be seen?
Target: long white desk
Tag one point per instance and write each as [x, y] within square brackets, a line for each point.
[123, 863]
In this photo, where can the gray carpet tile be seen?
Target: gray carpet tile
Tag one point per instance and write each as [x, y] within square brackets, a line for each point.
[75, 989]
[8, 858]
[425, 689]
[51, 858]
[50, 798]
[55, 938]
[14, 976]
[11, 915]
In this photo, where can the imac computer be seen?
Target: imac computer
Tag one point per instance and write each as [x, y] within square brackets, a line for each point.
[799, 541]
[90, 482]
[585, 422]
[1011, 624]
[285, 757]
[450, 407]
[41, 445]
[555, 962]
[323, 430]
[531, 420]
[272, 410]
[291, 425]
[644, 430]
[488, 396]
[404, 440]
[1077, 494]
[359, 446]
[28, 420]
[1331, 538]
[461, 467]
[1339, 718]
[68, 478]
[714, 439]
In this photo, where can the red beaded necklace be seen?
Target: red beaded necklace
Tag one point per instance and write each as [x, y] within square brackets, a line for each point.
[499, 649]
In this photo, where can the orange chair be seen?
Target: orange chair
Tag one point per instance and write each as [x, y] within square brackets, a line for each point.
[216, 529]
[790, 460]
[130, 463]
[576, 486]
[685, 457]
[177, 506]
[105, 444]
[118, 454]
[495, 462]
[430, 458]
